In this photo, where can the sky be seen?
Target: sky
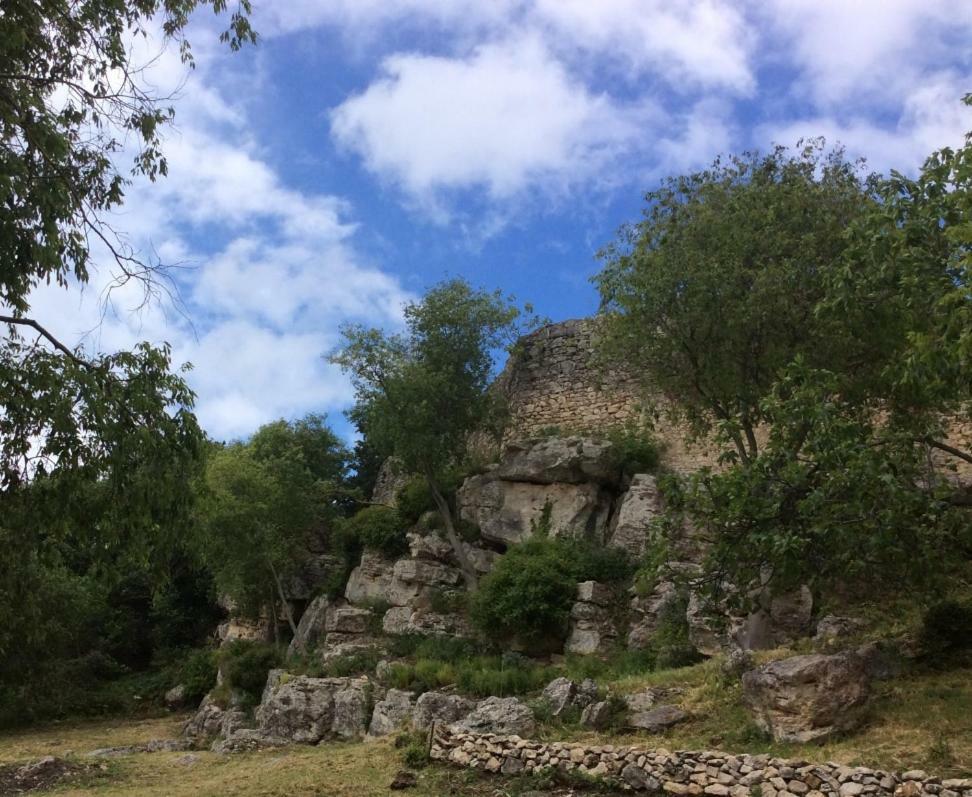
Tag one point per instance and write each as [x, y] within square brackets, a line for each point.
[364, 150]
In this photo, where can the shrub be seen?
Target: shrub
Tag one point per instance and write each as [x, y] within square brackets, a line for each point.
[198, 673]
[670, 644]
[413, 500]
[245, 665]
[946, 629]
[528, 594]
[636, 449]
[351, 664]
[447, 601]
[379, 527]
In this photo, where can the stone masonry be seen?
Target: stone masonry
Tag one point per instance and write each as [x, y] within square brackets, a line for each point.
[697, 773]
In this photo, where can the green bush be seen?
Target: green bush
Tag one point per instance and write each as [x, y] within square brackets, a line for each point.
[636, 449]
[670, 644]
[946, 629]
[528, 594]
[351, 664]
[380, 528]
[197, 673]
[245, 665]
[413, 500]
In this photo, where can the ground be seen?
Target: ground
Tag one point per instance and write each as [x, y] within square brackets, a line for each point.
[922, 720]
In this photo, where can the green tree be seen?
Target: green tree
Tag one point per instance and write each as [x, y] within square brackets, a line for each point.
[420, 395]
[263, 505]
[714, 291]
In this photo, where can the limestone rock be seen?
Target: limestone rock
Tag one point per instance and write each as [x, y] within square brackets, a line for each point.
[245, 740]
[305, 709]
[401, 620]
[639, 506]
[312, 626]
[657, 719]
[371, 579]
[501, 715]
[439, 707]
[242, 628]
[392, 713]
[430, 547]
[569, 460]
[212, 721]
[559, 695]
[481, 559]
[594, 592]
[833, 629]
[348, 620]
[506, 512]
[176, 696]
[597, 715]
[391, 478]
[805, 698]
[646, 612]
[592, 628]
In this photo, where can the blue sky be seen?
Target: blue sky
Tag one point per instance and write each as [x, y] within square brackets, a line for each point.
[365, 149]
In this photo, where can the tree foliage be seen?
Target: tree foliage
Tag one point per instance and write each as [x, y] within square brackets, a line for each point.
[854, 486]
[265, 505]
[714, 291]
[421, 394]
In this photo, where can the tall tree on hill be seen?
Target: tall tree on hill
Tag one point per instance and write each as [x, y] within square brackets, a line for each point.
[422, 394]
[714, 290]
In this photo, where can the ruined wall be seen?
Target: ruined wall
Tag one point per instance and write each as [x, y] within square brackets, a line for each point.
[554, 381]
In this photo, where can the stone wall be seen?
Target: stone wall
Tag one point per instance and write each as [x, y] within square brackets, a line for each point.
[555, 381]
[661, 771]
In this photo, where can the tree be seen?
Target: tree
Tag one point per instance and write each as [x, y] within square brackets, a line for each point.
[262, 505]
[856, 485]
[714, 291]
[422, 394]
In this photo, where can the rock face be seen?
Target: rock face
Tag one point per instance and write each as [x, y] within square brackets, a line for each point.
[391, 479]
[304, 709]
[562, 694]
[646, 612]
[639, 506]
[783, 619]
[370, 579]
[212, 721]
[804, 698]
[440, 707]
[312, 627]
[569, 460]
[392, 713]
[592, 629]
[506, 512]
[400, 620]
[503, 715]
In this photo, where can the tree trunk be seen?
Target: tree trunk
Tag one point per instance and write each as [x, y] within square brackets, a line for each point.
[283, 600]
[468, 572]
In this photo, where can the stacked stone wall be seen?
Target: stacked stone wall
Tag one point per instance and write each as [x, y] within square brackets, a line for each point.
[695, 773]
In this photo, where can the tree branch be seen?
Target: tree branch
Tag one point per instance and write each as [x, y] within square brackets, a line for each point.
[30, 322]
[955, 452]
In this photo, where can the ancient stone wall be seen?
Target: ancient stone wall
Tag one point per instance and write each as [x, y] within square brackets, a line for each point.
[661, 771]
[554, 382]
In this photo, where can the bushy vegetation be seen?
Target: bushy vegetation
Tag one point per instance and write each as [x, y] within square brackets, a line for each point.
[946, 631]
[528, 595]
[245, 665]
[380, 528]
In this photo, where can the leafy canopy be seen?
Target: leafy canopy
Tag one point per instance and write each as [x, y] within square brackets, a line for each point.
[714, 291]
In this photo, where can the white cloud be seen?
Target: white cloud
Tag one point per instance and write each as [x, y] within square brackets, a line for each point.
[867, 52]
[506, 118]
[930, 118]
[274, 272]
[689, 44]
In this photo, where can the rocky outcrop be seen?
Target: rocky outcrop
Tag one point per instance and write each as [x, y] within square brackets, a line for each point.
[370, 580]
[212, 721]
[304, 709]
[392, 713]
[391, 478]
[684, 772]
[646, 614]
[402, 620]
[592, 629]
[505, 715]
[507, 512]
[563, 694]
[834, 630]
[440, 707]
[566, 460]
[312, 627]
[646, 711]
[638, 508]
[806, 698]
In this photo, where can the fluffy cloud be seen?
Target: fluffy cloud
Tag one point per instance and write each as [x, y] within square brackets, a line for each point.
[506, 117]
[270, 273]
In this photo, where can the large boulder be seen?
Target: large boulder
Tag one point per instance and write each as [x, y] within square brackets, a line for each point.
[639, 506]
[508, 512]
[312, 626]
[506, 716]
[304, 709]
[592, 629]
[569, 460]
[212, 721]
[392, 713]
[647, 612]
[370, 580]
[780, 620]
[806, 698]
[349, 620]
[414, 579]
[562, 694]
[440, 707]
